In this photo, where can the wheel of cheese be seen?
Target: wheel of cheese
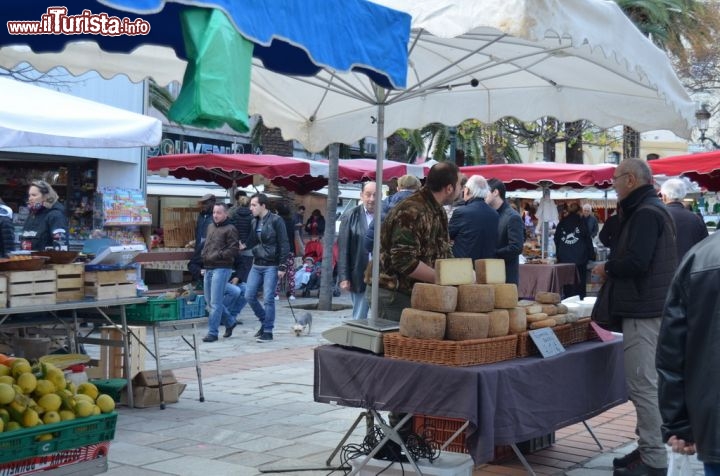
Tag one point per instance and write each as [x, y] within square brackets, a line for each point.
[562, 308]
[534, 308]
[499, 323]
[433, 297]
[475, 298]
[422, 324]
[506, 296]
[518, 320]
[454, 271]
[550, 322]
[489, 271]
[549, 309]
[547, 298]
[467, 325]
[539, 316]
[560, 318]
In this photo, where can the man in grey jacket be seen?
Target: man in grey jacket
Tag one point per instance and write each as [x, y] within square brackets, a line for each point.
[353, 257]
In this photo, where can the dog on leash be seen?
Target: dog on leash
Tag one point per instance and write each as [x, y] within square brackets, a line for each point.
[302, 324]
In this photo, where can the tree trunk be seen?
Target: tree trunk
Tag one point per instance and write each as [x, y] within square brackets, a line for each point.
[573, 143]
[397, 149]
[549, 151]
[327, 279]
[631, 143]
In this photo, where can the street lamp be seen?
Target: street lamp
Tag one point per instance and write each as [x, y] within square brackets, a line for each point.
[702, 116]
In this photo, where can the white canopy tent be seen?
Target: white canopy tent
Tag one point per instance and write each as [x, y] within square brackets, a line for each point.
[31, 115]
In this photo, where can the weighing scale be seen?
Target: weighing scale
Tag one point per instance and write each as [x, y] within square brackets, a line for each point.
[366, 334]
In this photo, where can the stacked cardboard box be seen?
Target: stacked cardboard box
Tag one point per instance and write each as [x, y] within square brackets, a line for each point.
[146, 388]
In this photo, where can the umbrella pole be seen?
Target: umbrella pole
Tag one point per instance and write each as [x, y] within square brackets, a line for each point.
[374, 294]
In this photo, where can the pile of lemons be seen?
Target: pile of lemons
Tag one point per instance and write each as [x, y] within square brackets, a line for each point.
[34, 395]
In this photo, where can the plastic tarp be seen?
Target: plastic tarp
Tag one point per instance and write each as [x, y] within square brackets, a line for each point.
[31, 115]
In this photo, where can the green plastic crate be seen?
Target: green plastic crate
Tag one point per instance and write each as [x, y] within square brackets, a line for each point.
[157, 309]
[111, 386]
[20, 444]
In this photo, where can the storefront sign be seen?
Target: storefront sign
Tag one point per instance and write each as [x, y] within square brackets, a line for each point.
[187, 144]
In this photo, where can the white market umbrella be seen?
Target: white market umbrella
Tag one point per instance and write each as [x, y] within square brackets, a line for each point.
[487, 59]
[35, 116]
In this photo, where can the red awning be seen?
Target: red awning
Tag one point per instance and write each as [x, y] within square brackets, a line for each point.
[297, 175]
[361, 170]
[552, 174]
[703, 168]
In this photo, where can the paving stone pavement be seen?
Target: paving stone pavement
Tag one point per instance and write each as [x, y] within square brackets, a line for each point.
[259, 414]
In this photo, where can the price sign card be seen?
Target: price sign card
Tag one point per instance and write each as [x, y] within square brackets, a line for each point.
[546, 341]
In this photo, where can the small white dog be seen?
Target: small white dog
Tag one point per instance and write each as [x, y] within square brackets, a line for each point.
[302, 323]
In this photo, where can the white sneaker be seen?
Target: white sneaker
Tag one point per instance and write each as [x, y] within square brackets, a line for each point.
[277, 298]
[292, 298]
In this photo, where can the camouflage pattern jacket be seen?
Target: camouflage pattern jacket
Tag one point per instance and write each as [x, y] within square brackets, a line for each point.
[415, 230]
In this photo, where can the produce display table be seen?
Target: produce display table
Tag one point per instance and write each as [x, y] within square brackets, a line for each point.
[25, 316]
[504, 402]
[535, 278]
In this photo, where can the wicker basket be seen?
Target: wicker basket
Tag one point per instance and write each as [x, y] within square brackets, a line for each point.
[446, 352]
[567, 334]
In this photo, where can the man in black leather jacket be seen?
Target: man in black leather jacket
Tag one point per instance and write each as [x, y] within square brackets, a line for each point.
[639, 273]
[688, 356]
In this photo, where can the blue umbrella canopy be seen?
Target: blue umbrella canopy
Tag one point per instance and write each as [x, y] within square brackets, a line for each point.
[294, 37]
[217, 39]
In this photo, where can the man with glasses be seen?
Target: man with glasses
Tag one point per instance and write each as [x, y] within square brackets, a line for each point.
[638, 274]
[474, 226]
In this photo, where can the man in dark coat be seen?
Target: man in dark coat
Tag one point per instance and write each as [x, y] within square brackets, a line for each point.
[691, 228]
[207, 202]
[511, 231]
[473, 226]
[687, 358]
[638, 276]
[353, 258]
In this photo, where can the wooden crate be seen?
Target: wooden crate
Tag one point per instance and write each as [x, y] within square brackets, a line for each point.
[3, 291]
[111, 360]
[70, 281]
[110, 284]
[178, 226]
[31, 288]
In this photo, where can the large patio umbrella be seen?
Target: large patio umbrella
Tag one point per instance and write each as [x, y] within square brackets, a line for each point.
[703, 168]
[550, 175]
[231, 170]
[34, 116]
[362, 170]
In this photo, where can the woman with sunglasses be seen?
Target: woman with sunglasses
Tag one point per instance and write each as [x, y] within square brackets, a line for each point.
[46, 225]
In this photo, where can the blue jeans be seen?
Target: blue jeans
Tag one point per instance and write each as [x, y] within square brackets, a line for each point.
[234, 301]
[267, 277]
[360, 305]
[214, 288]
[712, 469]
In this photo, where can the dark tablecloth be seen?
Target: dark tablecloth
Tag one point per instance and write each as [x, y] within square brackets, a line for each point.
[536, 278]
[506, 402]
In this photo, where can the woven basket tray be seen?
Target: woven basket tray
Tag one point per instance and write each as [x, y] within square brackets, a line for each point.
[567, 334]
[447, 352]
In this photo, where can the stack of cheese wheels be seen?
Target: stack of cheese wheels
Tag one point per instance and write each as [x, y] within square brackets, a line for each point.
[463, 304]
[546, 311]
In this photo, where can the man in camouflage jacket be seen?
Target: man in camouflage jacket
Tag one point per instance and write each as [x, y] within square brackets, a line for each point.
[414, 235]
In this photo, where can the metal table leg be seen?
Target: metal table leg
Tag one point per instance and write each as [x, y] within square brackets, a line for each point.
[156, 343]
[522, 459]
[587, 427]
[126, 360]
[198, 370]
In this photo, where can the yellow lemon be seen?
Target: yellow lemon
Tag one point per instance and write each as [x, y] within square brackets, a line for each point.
[4, 370]
[2, 426]
[4, 415]
[84, 398]
[89, 389]
[57, 377]
[83, 409]
[71, 387]
[44, 387]
[12, 426]
[105, 402]
[51, 417]
[66, 415]
[27, 382]
[50, 402]
[96, 410]
[7, 393]
[44, 437]
[30, 418]
[7, 379]
[20, 367]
